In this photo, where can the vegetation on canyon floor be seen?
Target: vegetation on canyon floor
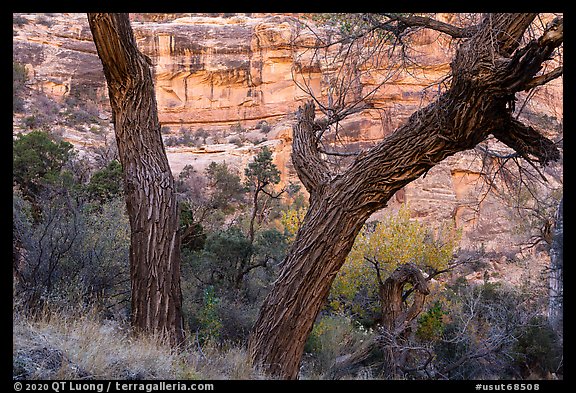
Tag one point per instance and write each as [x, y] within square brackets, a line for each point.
[72, 284]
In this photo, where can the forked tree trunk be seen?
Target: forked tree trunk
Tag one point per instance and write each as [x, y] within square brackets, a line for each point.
[148, 181]
[396, 319]
[340, 203]
[396, 315]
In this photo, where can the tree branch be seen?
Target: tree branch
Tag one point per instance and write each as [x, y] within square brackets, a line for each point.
[339, 153]
[465, 115]
[335, 116]
[271, 195]
[527, 61]
[527, 141]
[430, 23]
[543, 79]
[376, 264]
[508, 29]
[493, 154]
[311, 169]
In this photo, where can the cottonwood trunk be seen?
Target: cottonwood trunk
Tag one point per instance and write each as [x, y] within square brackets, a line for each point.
[475, 106]
[287, 316]
[396, 315]
[148, 181]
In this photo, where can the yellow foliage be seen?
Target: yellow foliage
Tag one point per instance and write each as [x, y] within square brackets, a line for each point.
[291, 220]
[394, 241]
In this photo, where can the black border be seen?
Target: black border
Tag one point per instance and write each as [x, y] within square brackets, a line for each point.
[316, 6]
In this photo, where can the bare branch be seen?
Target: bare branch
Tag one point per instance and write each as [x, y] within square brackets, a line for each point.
[335, 117]
[527, 141]
[273, 196]
[448, 268]
[528, 60]
[491, 153]
[430, 23]
[376, 264]
[311, 169]
[339, 153]
[543, 79]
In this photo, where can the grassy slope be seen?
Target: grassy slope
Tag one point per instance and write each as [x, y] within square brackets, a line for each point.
[59, 345]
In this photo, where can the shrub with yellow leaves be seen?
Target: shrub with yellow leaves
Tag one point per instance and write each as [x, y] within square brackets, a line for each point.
[379, 249]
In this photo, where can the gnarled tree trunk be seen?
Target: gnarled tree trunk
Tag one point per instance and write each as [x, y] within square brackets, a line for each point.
[396, 319]
[148, 181]
[487, 70]
[396, 315]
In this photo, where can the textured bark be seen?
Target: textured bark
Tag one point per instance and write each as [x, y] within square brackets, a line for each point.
[396, 318]
[288, 313]
[487, 70]
[395, 315]
[148, 181]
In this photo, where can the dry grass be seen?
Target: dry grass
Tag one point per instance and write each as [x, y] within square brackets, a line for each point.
[57, 345]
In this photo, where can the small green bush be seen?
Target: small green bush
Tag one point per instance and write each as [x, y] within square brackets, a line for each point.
[209, 319]
[37, 160]
[106, 183]
[237, 141]
[431, 323]
[19, 77]
[538, 348]
[263, 126]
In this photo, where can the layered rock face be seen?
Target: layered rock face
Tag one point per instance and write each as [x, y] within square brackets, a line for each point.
[227, 75]
[216, 70]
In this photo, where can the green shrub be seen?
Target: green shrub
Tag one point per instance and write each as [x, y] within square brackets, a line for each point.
[538, 348]
[19, 77]
[378, 250]
[208, 317]
[225, 257]
[236, 141]
[106, 183]
[201, 134]
[227, 189]
[263, 126]
[431, 323]
[37, 160]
